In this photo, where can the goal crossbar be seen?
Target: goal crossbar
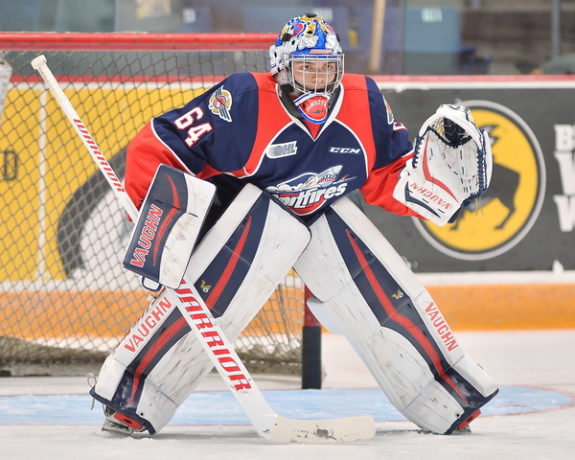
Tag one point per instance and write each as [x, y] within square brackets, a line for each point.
[135, 41]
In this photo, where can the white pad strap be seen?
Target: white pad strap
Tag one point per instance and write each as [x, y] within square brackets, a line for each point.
[235, 268]
[363, 288]
[451, 166]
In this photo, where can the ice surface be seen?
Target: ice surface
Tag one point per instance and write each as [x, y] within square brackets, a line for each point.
[534, 417]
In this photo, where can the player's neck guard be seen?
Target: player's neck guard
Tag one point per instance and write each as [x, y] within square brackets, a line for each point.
[314, 107]
[286, 92]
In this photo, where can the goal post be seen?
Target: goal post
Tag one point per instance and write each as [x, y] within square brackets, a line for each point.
[65, 297]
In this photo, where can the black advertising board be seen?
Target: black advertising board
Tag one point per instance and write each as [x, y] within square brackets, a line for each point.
[526, 220]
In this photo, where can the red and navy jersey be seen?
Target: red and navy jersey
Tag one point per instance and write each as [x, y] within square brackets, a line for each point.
[241, 129]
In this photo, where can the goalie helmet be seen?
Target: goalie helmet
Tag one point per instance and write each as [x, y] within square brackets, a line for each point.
[309, 43]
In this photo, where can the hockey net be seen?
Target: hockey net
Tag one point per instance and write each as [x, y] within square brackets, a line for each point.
[66, 301]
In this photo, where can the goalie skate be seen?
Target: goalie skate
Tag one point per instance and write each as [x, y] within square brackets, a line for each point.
[116, 422]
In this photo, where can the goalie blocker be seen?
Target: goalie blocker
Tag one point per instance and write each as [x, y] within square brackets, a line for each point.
[364, 290]
[235, 268]
[168, 226]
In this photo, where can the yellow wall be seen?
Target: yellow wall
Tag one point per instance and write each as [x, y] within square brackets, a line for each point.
[113, 117]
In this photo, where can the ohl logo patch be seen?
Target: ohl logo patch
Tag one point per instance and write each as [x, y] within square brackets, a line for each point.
[509, 208]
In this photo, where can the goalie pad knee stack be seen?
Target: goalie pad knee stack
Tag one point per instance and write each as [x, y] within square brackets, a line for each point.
[363, 289]
[235, 269]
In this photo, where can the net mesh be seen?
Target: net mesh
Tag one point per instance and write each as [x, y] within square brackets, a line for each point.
[66, 302]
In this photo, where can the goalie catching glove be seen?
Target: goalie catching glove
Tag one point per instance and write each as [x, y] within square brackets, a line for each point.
[451, 165]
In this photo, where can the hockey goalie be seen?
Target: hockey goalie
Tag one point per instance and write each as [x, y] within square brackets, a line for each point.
[250, 179]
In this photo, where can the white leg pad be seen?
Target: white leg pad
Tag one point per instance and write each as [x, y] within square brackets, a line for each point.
[159, 362]
[364, 290]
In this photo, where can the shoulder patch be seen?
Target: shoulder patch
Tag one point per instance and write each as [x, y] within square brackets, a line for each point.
[390, 118]
[221, 103]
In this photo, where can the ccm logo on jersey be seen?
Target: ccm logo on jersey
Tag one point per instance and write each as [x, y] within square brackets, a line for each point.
[344, 150]
[146, 236]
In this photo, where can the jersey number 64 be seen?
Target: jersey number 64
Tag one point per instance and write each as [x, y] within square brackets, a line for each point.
[195, 132]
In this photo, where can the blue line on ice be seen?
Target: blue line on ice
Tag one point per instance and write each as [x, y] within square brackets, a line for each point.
[224, 410]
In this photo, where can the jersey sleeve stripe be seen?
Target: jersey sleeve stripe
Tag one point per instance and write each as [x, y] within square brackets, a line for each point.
[145, 153]
[354, 112]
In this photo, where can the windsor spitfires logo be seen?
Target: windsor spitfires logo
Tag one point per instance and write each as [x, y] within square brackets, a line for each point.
[308, 192]
[221, 103]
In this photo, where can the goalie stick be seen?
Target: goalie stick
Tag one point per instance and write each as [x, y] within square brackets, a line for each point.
[267, 422]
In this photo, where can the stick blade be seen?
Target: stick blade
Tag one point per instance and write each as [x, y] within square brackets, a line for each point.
[332, 431]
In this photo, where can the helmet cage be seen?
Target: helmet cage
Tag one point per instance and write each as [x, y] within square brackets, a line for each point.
[313, 74]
